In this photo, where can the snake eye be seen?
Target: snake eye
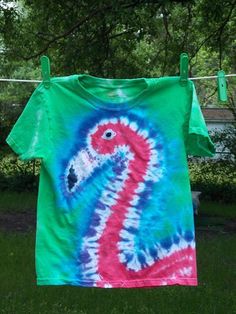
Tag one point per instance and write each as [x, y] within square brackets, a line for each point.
[108, 134]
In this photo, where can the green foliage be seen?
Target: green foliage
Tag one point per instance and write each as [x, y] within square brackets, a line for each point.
[18, 93]
[216, 179]
[16, 175]
[13, 96]
[114, 39]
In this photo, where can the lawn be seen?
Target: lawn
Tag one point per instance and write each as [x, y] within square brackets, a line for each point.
[216, 258]
[215, 293]
[17, 202]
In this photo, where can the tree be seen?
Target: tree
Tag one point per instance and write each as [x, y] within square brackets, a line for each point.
[120, 38]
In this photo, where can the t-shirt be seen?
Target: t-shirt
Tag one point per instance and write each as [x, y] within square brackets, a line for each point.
[114, 206]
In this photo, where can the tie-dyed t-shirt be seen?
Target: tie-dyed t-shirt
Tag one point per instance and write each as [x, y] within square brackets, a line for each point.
[114, 203]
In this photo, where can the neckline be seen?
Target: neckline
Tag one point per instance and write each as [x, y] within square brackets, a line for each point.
[100, 103]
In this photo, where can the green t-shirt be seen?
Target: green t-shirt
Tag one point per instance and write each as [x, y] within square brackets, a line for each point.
[114, 204]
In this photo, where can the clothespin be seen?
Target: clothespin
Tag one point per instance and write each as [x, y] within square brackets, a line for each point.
[222, 86]
[45, 69]
[183, 68]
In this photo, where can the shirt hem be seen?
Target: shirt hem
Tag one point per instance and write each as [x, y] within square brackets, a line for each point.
[119, 284]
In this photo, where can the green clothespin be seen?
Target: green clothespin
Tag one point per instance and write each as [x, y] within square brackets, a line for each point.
[222, 86]
[45, 68]
[183, 68]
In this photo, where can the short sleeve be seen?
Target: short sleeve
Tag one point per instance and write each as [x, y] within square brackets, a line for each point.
[197, 139]
[29, 137]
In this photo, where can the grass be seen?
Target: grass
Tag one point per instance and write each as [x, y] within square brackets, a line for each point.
[17, 201]
[216, 256]
[217, 209]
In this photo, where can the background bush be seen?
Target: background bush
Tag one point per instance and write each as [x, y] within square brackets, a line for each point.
[216, 179]
[16, 175]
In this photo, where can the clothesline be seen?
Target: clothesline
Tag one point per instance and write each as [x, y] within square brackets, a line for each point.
[38, 81]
